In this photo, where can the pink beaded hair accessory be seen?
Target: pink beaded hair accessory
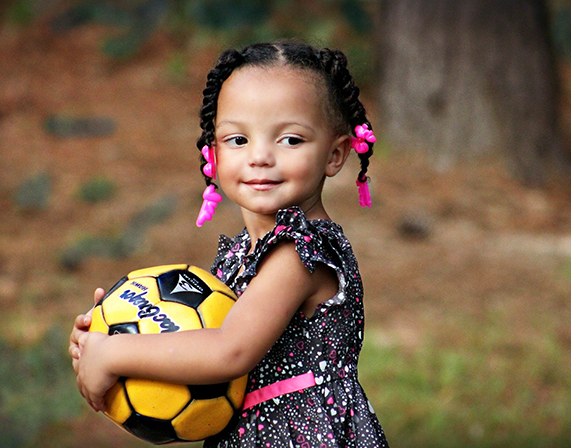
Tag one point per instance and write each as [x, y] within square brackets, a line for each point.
[363, 135]
[211, 198]
[359, 144]
[210, 168]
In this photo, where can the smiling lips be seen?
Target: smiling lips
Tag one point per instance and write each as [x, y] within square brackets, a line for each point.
[262, 184]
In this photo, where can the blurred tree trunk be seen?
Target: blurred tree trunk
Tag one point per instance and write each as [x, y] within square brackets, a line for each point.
[461, 78]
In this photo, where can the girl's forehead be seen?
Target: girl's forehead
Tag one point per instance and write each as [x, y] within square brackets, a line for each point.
[275, 69]
[276, 74]
[252, 86]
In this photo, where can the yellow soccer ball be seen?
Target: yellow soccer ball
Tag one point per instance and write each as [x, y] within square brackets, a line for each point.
[158, 300]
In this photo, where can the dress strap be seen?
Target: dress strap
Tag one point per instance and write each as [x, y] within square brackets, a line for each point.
[282, 387]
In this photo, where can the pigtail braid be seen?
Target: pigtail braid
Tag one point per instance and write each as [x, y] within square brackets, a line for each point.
[347, 94]
[227, 62]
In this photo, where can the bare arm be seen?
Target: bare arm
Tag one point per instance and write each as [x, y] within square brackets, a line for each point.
[282, 286]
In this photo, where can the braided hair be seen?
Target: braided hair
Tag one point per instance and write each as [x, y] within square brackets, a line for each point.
[344, 107]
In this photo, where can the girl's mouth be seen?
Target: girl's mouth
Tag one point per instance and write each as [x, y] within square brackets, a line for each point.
[262, 184]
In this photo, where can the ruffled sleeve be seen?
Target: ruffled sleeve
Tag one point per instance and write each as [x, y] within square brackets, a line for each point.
[312, 243]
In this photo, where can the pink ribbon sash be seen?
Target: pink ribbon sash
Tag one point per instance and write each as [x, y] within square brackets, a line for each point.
[280, 388]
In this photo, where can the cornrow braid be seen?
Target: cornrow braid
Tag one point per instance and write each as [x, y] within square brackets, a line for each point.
[346, 93]
[224, 67]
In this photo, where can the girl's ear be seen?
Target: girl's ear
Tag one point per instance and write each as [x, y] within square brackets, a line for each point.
[341, 148]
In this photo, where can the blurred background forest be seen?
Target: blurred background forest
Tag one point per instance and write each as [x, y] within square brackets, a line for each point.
[465, 255]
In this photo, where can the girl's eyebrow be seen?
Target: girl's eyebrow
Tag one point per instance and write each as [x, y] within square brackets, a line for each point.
[220, 123]
[297, 123]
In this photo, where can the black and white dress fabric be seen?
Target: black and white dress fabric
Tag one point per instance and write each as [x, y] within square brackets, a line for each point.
[335, 412]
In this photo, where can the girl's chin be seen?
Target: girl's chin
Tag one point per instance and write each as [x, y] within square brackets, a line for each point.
[265, 210]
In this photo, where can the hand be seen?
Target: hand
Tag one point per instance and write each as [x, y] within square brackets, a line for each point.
[81, 325]
[94, 378]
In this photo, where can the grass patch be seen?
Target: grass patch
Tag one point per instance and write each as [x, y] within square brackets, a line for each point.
[489, 391]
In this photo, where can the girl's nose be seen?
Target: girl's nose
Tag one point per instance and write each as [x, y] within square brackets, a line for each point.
[261, 154]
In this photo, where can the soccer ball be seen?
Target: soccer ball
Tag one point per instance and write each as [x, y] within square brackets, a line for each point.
[158, 300]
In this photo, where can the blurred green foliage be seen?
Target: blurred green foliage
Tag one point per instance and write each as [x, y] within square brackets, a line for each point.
[225, 15]
[65, 126]
[20, 12]
[97, 189]
[34, 193]
[126, 242]
[561, 31]
[339, 23]
[344, 24]
[37, 389]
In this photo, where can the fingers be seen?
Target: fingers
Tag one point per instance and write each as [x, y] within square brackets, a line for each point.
[85, 394]
[74, 353]
[95, 402]
[81, 326]
[82, 339]
[98, 404]
[77, 340]
[83, 321]
[98, 295]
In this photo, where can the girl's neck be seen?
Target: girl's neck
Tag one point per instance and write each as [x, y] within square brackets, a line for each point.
[259, 225]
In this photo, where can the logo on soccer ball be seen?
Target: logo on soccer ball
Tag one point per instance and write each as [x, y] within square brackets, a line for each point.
[184, 285]
[147, 309]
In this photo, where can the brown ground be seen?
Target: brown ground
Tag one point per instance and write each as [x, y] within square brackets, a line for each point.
[493, 245]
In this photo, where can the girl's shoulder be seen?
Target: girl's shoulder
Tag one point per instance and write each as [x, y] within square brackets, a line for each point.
[310, 236]
[316, 241]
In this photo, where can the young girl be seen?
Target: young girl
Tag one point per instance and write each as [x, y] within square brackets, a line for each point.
[276, 119]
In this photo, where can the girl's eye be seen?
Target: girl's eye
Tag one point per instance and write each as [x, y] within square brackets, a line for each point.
[237, 141]
[292, 141]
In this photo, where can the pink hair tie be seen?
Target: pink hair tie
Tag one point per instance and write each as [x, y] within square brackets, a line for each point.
[363, 135]
[210, 168]
[364, 193]
[211, 200]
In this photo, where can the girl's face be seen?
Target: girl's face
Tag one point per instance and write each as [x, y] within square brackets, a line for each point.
[274, 143]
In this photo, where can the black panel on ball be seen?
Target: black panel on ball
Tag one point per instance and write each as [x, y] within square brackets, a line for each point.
[206, 391]
[183, 287]
[151, 429]
[131, 327]
[113, 289]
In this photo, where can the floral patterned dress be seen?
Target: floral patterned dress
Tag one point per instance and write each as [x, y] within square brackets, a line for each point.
[335, 412]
